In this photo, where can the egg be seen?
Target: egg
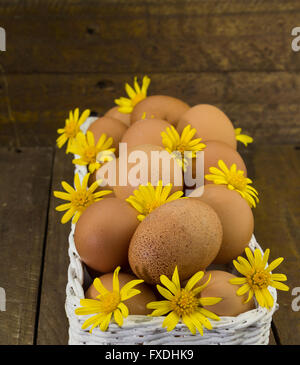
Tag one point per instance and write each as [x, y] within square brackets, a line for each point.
[211, 124]
[137, 171]
[137, 304]
[111, 127]
[103, 233]
[123, 117]
[215, 151]
[220, 287]
[184, 232]
[160, 107]
[96, 175]
[236, 217]
[145, 131]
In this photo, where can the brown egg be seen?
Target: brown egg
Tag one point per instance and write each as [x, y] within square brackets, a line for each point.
[184, 232]
[211, 124]
[236, 217]
[103, 232]
[160, 107]
[166, 169]
[219, 286]
[96, 176]
[215, 151]
[145, 131]
[111, 127]
[106, 171]
[114, 113]
[136, 304]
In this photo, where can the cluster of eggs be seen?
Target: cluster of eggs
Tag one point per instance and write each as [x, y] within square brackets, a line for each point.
[198, 233]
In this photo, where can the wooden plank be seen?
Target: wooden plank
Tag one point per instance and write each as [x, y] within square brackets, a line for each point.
[170, 7]
[52, 91]
[264, 104]
[24, 183]
[53, 324]
[277, 178]
[177, 36]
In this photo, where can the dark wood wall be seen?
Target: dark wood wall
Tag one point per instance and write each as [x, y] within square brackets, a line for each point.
[234, 54]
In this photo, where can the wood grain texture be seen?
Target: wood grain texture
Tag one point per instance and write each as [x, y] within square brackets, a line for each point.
[146, 36]
[24, 184]
[53, 324]
[265, 104]
[233, 54]
[276, 176]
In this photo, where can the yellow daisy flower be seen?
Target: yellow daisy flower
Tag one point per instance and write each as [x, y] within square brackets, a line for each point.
[92, 154]
[147, 198]
[184, 303]
[71, 129]
[257, 277]
[235, 180]
[182, 146]
[242, 137]
[79, 198]
[135, 95]
[108, 303]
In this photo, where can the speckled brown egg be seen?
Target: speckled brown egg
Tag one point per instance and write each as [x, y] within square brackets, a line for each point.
[103, 232]
[236, 217]
[215, 151]
[111, 127]
[185, 232]
[136, 304]
[145, 131]
[123, 117]
[211, 124]
[161, 107]
[219, 286]
[167, 169]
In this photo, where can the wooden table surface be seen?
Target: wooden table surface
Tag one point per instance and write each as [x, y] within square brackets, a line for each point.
[60, 55]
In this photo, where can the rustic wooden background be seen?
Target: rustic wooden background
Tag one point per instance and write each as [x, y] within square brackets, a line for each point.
[234, 54]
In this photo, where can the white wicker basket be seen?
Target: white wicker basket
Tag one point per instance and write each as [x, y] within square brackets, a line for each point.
[252, 327]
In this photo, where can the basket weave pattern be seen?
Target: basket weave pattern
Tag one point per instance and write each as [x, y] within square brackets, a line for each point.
[252, 327]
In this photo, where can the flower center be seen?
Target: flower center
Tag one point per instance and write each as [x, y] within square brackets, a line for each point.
[109, 302]
[184, 303]
[82, 199]
[237, 180]
[181, 148]
[137, 99]
[91, 153]
[259, 279]
[71, 129]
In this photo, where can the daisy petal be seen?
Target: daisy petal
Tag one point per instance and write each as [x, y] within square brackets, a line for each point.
[164, 292]
[279, 285]
[274, 264]
[118, 317]
[168, 284]
[124, 310]
[100, 287]
[175, 278]
[193, 280]
[190, 325]
[170, 321]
